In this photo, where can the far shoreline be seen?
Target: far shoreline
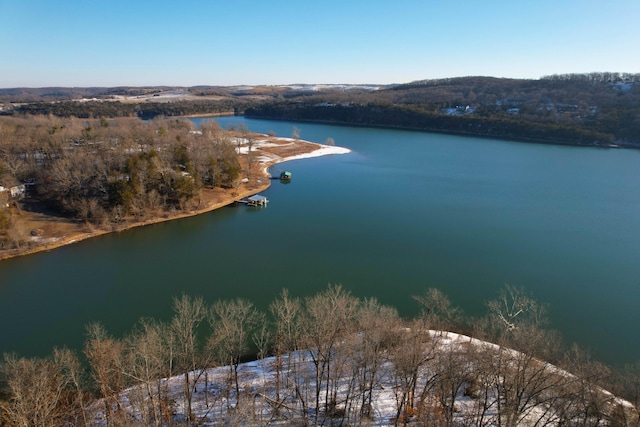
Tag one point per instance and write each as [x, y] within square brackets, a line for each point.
[520, 139]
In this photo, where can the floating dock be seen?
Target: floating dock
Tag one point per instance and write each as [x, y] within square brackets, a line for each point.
[255, 200]
[285, 176]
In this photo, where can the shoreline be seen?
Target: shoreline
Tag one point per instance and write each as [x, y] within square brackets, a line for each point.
[79, 237]
[522, 139]
[270, 159]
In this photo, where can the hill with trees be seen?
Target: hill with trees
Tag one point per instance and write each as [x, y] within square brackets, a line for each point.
[596, 109]
[103, 172]
[328, 359]
[600, 109]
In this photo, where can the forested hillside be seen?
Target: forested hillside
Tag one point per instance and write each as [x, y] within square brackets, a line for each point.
[332, 358]
[596, 109]
[106, 172]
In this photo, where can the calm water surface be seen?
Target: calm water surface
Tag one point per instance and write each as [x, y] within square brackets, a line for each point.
[403, 212]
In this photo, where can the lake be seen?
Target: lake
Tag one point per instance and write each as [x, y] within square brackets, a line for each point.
[405, 211]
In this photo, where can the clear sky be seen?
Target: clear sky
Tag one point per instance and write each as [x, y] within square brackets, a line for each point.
[215, 42]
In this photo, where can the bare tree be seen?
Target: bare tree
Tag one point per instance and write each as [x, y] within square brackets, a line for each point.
[519, 368]
[71, 367]
[286, 312]
[233, 323]
[295, 133]
[146, 363]
[104, 355]
[588, 404]
[36, 390]
[438, 311]
[411, 357]
[18, 231]
[13, 160]
[244, 131]
[377, 329]
[454, 372]
[481, 388]
[251, 158]
[514, 308]
[327, 319]
[525, 383]
[631, 391]
[189, 313]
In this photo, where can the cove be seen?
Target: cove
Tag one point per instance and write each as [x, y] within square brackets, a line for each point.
[403, 212]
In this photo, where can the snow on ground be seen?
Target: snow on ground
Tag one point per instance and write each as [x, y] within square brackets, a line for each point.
[268, 158]
[216, 403]
[324, 150]
[212, 403]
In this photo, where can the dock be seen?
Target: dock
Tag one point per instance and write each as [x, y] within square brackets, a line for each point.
[284, 176]
[255, 200]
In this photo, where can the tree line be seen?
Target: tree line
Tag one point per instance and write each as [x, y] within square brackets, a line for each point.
[576, 109]
[103, 172]
[419, 118]
[330, 353]
[569, 108]
[143, 110]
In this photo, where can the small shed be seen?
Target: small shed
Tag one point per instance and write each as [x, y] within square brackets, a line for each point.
[285, 176]
[18, 190]
[257, 200]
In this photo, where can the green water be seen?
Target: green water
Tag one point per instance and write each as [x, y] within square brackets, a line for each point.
[403, 212]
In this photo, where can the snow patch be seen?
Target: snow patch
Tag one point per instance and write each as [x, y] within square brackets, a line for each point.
[215, 400]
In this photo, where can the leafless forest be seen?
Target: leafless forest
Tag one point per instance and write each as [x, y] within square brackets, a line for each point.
[106, 172]
[353, 345]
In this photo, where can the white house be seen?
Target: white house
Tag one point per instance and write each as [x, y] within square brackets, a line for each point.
[18, 190]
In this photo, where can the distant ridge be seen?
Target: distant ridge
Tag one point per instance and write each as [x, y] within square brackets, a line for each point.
[593, 109]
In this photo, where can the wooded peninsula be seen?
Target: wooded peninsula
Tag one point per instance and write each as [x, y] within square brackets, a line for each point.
[67, 179]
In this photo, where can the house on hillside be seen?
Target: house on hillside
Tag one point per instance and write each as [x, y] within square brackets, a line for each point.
[18, 191]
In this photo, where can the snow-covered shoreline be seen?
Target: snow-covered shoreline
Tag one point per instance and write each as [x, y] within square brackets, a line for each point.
[324, 150]
[264, 147]
[266, 157]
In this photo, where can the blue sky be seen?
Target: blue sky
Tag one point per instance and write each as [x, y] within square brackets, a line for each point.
[268, 42]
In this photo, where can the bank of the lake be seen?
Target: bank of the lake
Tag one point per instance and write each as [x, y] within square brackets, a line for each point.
[404, 211]
[473, 134]
[70, 231]
[402, 118]
[78, 232]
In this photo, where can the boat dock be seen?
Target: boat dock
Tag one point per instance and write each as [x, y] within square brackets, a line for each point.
[284, 176]
[255, 200]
